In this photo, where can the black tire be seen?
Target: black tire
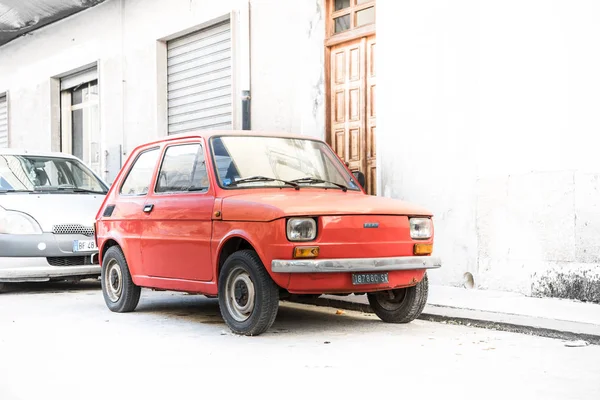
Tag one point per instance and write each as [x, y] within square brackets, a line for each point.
[126, 299]
[243, 274]
[400, 306]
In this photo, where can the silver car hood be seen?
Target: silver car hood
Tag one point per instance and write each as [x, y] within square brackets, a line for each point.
[55, 209]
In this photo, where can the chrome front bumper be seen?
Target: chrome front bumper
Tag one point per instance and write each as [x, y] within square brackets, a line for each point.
[356, 264]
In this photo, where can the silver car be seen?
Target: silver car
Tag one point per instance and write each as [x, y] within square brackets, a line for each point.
[48, 204]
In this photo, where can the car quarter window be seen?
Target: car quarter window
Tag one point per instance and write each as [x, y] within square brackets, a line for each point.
[183, 169]
[140, 174]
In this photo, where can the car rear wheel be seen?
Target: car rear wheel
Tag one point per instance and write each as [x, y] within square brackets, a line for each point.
[119, 291]
[400, 306]
[248, 297]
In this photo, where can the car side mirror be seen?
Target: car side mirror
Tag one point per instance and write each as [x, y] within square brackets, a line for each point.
[360, 177]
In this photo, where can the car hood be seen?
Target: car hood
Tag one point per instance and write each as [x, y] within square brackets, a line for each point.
[270, 206]
[52, 209]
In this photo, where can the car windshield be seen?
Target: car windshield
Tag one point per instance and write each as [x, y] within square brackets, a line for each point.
[257, 161]
[28, 173]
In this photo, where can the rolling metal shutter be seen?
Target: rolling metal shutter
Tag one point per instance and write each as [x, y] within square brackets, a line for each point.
[3, 122]
[199, 70]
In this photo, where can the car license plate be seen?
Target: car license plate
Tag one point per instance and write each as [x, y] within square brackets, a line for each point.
[370, 279]
[84, 245]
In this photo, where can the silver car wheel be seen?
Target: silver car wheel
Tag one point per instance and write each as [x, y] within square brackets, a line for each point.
[113, 281]
[239, 295]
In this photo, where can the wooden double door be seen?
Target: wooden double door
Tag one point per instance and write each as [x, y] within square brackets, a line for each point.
[352, 106]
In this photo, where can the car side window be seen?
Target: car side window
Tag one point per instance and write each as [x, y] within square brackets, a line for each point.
[183, 169]
[140, 175]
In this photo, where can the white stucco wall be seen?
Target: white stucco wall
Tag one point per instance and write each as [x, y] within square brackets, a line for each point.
[288, 65]
[488, 116]
[126, 40]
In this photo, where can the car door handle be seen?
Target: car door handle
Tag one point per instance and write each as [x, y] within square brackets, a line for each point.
[148, 208]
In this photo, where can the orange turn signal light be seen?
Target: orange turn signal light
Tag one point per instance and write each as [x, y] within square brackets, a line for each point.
[422, 249]
[306, 252]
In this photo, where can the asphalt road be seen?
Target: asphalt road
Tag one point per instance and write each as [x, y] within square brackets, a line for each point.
[60, 341]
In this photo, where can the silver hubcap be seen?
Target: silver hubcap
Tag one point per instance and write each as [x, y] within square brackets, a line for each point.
[113, 281]
[239, 295]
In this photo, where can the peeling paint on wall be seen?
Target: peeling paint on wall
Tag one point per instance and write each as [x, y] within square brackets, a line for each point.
[312, 25]
[315, 26]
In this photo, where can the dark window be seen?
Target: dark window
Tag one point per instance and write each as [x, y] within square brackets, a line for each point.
[140, 174]
[342, 23]
[183, 169]
[341, 4]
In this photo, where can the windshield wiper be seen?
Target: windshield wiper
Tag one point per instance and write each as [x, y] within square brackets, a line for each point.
[69, 189]
[310, 179]
[263, 179]
[80, 190]
[15, 191]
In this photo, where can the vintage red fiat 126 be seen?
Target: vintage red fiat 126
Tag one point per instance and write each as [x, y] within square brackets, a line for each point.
[252, 218]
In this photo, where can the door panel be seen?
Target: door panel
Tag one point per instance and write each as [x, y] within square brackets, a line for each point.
[175, 241]
[352, 101]
[347, 63]
[176, 237]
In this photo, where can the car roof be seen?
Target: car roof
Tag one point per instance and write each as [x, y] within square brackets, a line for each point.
[207, 134]
[24, 152]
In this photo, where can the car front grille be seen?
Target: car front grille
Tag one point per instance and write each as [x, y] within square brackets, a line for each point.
[73, 229]
[69, 261]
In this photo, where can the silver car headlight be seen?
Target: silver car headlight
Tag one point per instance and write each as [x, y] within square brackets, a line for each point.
[18, 223]
[420, 228]
[301, 229]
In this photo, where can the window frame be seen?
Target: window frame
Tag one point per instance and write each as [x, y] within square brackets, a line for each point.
[328, 150]
[152, 177]
[85, 76]
[162, 160]
[350, 10]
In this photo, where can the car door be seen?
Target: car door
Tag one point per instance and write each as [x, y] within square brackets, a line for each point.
[128, 215]
[177, 229]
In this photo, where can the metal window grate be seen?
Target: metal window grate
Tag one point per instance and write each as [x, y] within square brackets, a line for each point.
[3, 121]
[73, 229]
[200, 80]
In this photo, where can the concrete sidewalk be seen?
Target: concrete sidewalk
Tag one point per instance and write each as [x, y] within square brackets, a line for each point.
[549, 317]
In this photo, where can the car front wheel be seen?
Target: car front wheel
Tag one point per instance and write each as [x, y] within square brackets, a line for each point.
[119, 291]
[400, 305]
[248, 297]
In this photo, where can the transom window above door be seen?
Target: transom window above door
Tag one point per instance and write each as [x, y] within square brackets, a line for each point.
[350, 14]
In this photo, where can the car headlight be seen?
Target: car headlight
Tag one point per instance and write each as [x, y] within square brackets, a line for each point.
[17, 223]
[420, 228]
[301, 229]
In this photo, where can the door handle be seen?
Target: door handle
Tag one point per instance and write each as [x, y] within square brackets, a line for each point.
[148, 208]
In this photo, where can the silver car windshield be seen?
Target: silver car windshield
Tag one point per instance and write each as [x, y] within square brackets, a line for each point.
[29, 173]
[256, 161]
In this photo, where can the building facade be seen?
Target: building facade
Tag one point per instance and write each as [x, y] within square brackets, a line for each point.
[483, 110]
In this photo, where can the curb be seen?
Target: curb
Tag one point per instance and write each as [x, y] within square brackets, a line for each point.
[445, 316]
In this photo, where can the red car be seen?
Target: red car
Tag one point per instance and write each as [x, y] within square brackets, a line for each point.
[252, 218]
